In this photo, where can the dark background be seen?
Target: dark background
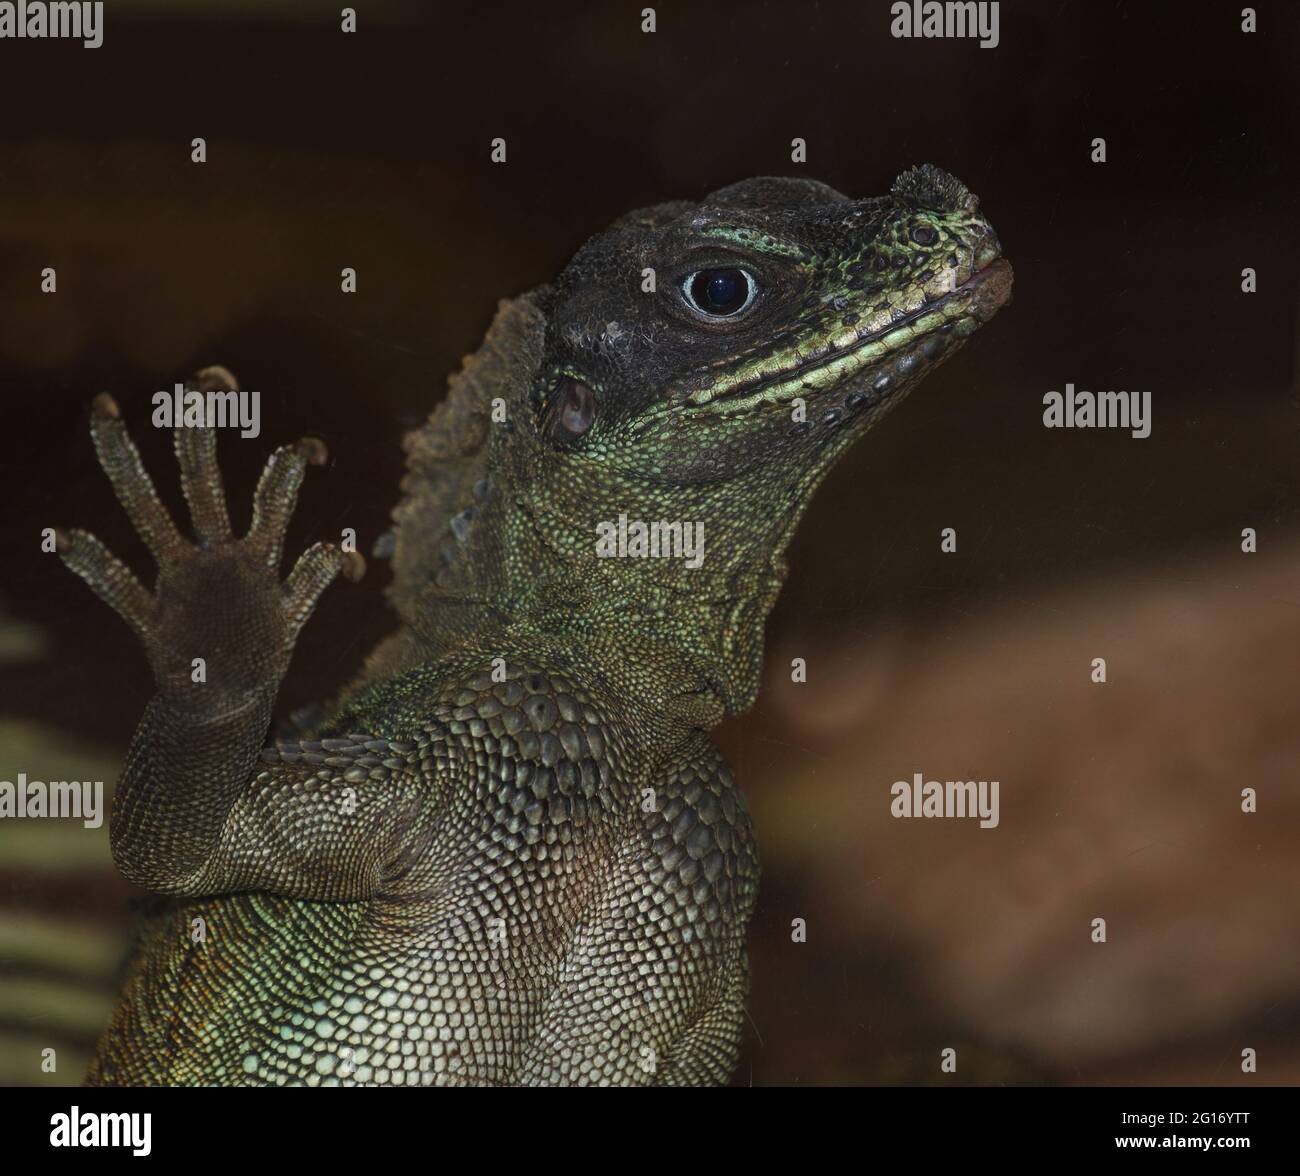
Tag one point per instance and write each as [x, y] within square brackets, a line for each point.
[372, 151]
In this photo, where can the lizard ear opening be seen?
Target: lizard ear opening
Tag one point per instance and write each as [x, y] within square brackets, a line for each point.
[571, 410]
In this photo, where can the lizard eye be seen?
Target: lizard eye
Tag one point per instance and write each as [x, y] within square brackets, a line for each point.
[572, 410]
[720, 293]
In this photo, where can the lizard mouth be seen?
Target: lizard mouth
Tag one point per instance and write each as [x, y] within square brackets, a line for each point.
[901, 349]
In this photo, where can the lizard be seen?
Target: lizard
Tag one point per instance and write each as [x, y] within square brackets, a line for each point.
[511, 853]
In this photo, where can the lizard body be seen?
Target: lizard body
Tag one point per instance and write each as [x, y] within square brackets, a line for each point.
[513, 855]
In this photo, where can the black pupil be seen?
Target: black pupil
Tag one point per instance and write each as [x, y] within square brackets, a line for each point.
[720, 291]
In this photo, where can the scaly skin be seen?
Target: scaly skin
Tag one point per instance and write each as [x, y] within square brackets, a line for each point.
[513, 854]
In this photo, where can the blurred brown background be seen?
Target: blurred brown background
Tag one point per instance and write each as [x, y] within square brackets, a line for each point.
[371, 150]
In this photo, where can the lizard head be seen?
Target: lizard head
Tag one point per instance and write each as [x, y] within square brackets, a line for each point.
[762, 328]
[696, 363]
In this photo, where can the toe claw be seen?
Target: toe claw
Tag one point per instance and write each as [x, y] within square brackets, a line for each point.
[314, 450]
[354, 566]
[215, 378]
[104, 407]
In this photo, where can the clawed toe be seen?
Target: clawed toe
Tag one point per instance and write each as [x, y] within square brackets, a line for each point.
[277, 495]
[196, 454]
[313, 573]
[110, 579]
[135, 491]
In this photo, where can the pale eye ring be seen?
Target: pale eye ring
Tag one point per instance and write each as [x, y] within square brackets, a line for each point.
[720, 293]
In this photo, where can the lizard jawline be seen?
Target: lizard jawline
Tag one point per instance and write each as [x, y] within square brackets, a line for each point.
[878, 346]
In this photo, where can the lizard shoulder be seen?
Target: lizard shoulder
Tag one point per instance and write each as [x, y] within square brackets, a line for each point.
[698, 843]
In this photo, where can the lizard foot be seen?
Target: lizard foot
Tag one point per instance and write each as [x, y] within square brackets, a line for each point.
[219, 597]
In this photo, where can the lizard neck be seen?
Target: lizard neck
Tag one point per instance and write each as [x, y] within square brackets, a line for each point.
[576, 569]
